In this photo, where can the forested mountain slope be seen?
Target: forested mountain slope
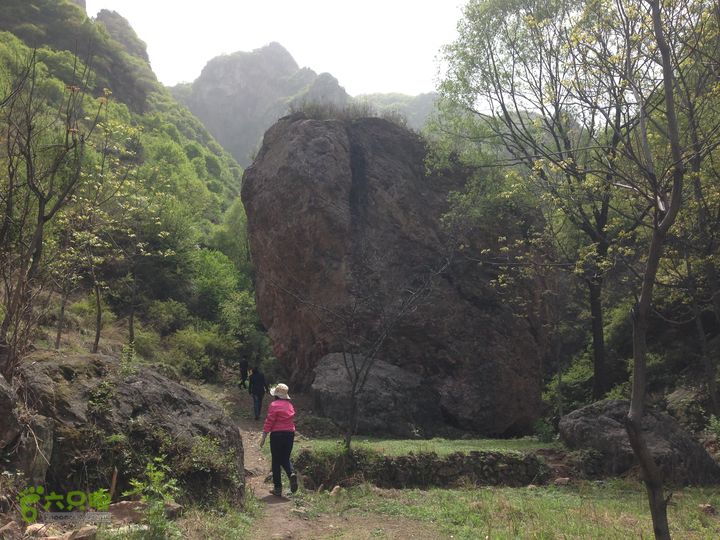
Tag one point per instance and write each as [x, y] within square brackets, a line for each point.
[141, 208]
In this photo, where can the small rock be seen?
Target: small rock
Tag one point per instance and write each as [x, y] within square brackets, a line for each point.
[127, 511]
[532, 486]
[88, 532]
[172, 510]
[11, 531]
[563, 481]
[36, 529]
[708, 509]
[335, 491]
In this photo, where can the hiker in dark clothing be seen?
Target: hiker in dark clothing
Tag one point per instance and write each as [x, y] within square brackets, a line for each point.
[243, 372]
[257, 388]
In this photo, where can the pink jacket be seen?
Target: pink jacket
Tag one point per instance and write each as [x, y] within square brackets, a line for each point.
[280, 416]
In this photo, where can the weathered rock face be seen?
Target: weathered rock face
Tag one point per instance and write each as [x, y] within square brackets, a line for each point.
[342, 218]
[9, 425]
[93, 416]
[394, 401]
[600, 426]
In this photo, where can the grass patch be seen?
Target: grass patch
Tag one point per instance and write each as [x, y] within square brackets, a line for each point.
[442, 447]
[608, 510]
[220, 523]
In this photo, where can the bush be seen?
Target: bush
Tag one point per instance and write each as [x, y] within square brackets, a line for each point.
[198, 353]
[544, 431]
[83, 313]
[147, 344]
[168, 316]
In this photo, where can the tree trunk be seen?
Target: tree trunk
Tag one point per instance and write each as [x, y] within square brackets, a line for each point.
[651, 474]
[708, 364]
[131, 325]
[98, 319]
[61, 320]
[598, 332]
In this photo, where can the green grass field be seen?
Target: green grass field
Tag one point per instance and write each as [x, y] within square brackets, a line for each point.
[604, 510]
[394, 447]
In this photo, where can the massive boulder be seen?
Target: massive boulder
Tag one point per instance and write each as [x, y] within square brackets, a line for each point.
[89, 415]
[9, 424]
[601, 427]
[393, 401]
[343, 224]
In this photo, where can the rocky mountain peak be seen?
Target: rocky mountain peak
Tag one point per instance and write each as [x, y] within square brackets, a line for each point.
[120, 30]
[239, 95]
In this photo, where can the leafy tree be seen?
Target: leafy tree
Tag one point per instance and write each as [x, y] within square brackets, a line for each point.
[44, 158]
[507, 76]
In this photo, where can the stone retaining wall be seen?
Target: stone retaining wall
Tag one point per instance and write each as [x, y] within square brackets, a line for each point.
[422, 470]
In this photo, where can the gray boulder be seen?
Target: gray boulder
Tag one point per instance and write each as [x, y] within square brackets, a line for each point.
[394, 401]
[601, 427]
[94, 415]
[9, 425]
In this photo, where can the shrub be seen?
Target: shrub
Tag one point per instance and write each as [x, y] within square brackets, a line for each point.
[198, 352]
[147, 344]
[544, 431]
[168, 316]
[156, 488]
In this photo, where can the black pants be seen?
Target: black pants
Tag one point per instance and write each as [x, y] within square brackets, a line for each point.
[281, 444]
[257, 405]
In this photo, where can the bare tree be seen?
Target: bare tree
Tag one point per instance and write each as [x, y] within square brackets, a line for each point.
[359, 329]
[43, 157]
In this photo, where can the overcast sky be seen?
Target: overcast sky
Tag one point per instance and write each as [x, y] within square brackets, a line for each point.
[368, 45]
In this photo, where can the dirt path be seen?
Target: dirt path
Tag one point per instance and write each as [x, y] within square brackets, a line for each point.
[287, 517]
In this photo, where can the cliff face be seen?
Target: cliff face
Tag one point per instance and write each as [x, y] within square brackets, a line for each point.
[120, 30]
[343, 219]
[238, 96]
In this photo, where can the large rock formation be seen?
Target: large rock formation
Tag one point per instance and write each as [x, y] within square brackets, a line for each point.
[238, 96]
[87, 414]
[343, 222]
[394, 401]
[601, 427]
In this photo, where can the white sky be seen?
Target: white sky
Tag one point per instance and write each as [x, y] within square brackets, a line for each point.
[368, 45]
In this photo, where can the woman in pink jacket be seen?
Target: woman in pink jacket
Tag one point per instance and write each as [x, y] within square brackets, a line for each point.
[279, 424]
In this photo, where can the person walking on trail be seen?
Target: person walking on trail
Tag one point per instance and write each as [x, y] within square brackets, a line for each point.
[281, 427]
[257, 388]
[243, 373]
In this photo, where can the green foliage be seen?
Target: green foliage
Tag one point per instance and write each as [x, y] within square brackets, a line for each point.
[206, 457]
[198, 352]
[713, 426]
[147, 343]
[544, 431]
[238, 317]
[62, 25]
[168, 316]
[157, 218]
[128, 360]
[100, 398]
[214, 278]
[155, 489]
